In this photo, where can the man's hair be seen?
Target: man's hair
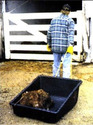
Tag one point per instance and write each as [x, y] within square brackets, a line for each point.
[66, 7]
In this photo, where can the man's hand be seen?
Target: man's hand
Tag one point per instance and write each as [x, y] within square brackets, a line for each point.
[70, 49]
[48, 48]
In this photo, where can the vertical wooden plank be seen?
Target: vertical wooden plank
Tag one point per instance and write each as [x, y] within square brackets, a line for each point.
[91, 39]
[79, 31]
[6, 36]
[79, 34]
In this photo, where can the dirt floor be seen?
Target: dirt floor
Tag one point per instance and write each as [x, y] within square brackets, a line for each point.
[16, 75]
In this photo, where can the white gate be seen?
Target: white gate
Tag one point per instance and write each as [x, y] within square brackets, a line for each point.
[24, 40]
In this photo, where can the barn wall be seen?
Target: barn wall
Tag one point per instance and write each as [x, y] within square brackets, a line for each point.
[29, 6]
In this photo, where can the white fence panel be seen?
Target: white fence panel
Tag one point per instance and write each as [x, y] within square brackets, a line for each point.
[28, 47]
[32, 56]
[25, 39]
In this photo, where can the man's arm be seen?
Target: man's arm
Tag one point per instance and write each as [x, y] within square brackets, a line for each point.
[71, 32]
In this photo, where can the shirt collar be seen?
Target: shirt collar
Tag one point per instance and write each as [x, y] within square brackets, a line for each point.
[63, 15]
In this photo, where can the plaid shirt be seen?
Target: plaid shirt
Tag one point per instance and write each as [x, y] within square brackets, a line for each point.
[61, 33]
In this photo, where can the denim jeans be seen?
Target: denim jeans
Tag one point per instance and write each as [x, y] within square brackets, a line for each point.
[66, 64]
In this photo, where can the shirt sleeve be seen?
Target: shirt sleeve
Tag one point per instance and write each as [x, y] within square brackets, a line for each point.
[71, 32]
[49, 35]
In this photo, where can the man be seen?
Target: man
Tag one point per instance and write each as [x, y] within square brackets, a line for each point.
[60, 40]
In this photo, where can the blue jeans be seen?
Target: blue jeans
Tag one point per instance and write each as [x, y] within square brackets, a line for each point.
[66, 64]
